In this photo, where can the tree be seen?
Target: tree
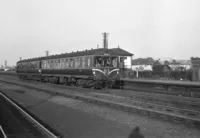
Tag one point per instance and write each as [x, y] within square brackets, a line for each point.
[157, 62]
[173, 61]
[166, 62]
[143, 61]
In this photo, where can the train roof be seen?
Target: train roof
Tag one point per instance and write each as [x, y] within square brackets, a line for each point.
[100, 51]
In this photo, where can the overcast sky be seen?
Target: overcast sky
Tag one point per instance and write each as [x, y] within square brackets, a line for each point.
[156, 28]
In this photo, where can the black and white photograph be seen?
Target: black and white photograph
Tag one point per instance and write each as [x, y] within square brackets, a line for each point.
[99, 69]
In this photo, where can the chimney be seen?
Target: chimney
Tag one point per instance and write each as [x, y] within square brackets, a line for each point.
[47, 53]
[105, 40]
[20, 58]
[5, 64]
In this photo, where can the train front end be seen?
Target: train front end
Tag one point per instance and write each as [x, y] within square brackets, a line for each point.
[109, 69]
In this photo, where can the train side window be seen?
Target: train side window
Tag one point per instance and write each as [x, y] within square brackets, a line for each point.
[36, 65]
[88, 62]
[62, 63]
[71, 63]
[83, 62]
[48, 64]
[77, 62]
[66, 63]
[51, 64]
[43, 64]
[54, 64]
[58, 64]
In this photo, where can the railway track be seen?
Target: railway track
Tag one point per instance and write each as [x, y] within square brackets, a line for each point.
[140, 105]
[18, 123]
[2, 133]
[175, 88]
[145, 97]
[161, 99]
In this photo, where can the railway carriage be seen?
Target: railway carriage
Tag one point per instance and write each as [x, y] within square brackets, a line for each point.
[89, 68]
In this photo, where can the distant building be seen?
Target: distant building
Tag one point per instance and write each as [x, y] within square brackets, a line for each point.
[196, 69]
[142, 67]
[5, 64]
[187, 67]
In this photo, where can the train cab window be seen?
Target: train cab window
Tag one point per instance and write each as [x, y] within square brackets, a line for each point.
[106, 62]
[98, 62]
[102, 61]
[114, 62]
[122, 62]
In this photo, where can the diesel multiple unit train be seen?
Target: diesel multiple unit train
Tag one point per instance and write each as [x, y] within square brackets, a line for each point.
[90, 68]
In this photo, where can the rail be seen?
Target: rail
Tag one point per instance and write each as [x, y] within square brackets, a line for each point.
[2, 133]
